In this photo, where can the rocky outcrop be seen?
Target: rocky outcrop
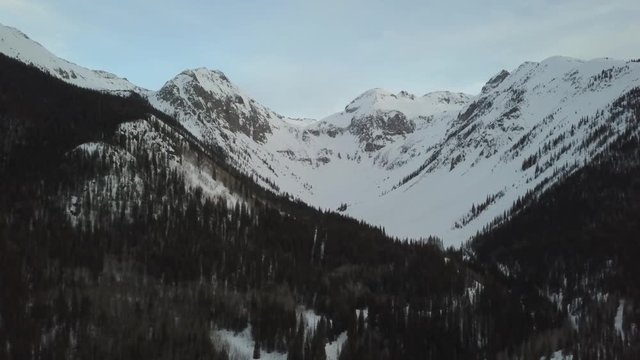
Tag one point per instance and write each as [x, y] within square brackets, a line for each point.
[376, 130]
[209, 97]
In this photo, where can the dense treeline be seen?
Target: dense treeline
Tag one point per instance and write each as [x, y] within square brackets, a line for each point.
[229, 267]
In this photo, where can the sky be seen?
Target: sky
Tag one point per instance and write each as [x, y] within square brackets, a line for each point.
[311, 58]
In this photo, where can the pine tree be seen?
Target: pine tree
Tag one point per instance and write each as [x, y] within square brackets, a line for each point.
[297, 344]
[256, 350]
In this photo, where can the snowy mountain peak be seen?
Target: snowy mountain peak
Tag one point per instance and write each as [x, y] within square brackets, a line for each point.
[211, 81]
[368, 99]
[11, 31]
[205, 98]
[203, 75]
[494, 81]
[378, 118]
[559, 59]
[17, 45]
[379, 101]
[206, 70]
[382, 99]
[448, 97]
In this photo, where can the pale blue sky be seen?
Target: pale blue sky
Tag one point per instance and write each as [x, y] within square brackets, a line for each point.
[310, 58]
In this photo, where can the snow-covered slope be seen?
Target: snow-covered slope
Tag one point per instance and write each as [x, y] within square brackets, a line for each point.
[15, 44]
[442, 164]
[349, 157]
[524, 131]
[221, 115]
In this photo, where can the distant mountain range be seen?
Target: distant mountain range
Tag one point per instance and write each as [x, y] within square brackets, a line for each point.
[444, 164]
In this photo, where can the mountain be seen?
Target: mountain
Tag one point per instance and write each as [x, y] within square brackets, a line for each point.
[203, 95]
[469, 157]
[542, 120]
[446, 164]
[17, 45]
[154, 224]
[443, 164]
[577, 242]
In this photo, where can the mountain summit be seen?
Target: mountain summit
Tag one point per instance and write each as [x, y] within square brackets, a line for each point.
[207, 96]
[16, 44]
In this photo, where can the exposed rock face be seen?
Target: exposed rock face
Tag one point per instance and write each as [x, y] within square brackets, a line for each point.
[494, 81]
[378, 118]
[209, 97]
[374, 131]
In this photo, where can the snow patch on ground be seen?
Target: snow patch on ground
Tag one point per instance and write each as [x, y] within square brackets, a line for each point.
[333, 349]
[473, 290]
[240, 345]
[558, 355]
[364, 312]
[311, 319]
[211, 188]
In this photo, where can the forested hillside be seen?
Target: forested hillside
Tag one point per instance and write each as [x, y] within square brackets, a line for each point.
[578, 243]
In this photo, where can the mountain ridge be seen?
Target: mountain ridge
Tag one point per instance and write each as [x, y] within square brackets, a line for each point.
[18, 45]
[431, 158]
